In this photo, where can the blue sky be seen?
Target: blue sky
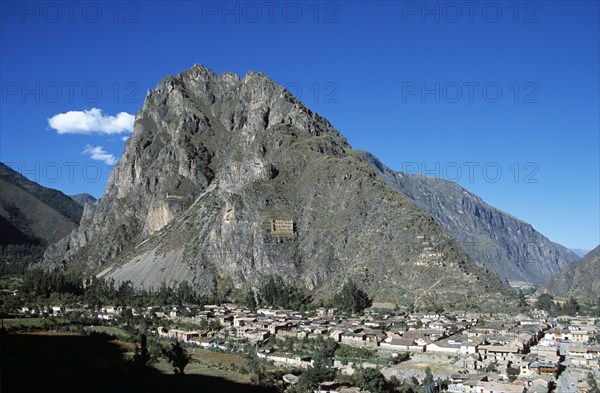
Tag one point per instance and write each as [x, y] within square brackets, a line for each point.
[502, 97]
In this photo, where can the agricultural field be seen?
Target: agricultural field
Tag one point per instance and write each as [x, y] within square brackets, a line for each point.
[197, 368]
[111, 331]
[15, 323]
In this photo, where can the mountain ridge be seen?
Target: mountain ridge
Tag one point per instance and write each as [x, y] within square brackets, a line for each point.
[31, 216]
[83, 198]
[42, 214]
[214, 159]
[579, 252]
[579, 279]
[505, 244]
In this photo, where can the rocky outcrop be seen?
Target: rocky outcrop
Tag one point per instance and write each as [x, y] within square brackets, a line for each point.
[504, 244]
[215, 158]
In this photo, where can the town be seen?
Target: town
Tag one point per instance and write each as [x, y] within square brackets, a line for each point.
[458, 352]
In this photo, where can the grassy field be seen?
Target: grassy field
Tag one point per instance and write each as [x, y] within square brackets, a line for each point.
[212, 358]
[196, 368]
[12, 323]
[23, 322]
[213, 364]
[209, 363]
[111, 330]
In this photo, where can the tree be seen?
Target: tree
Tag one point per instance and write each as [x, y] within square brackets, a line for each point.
[398, 386]
[402, 357]
[257, 369]
[251, 301]
[571, 307]
[522, 301]
[545, 302]
[428, 382]
[214, 324]
[312, 376]
[369, 379]
[593, 384]
[351, 299]
[177, 356]
[276, 293]
[491, 368]
[125, 293]
[141, 356]
[185, 293]
[325, 348]
[321, 369]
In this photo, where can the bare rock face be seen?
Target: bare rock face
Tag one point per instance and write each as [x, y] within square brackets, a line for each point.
[504, 244]
[216, 162]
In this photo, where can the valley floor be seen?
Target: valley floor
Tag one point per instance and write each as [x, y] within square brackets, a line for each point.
[464, 352]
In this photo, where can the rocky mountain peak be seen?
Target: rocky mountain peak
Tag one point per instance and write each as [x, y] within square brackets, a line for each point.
[218, 163]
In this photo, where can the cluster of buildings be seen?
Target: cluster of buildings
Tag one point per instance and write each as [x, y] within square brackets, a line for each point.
[503, 354]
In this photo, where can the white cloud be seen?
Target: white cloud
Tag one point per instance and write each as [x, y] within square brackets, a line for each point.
[98, 153]
[90, 122]
[125, 138]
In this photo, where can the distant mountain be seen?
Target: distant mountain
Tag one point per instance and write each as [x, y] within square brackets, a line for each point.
[32, 207]
[31, 216]
[40, 213]
[580, 279]
[504, 244]
[227, 180]
[82, 199]
[579, 252]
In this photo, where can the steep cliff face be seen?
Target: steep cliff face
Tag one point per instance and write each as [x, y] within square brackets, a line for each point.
[214, 159]
[504, 244]
[579, 279]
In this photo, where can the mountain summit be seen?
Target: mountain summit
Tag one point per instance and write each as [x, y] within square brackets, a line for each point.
[228, 180]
